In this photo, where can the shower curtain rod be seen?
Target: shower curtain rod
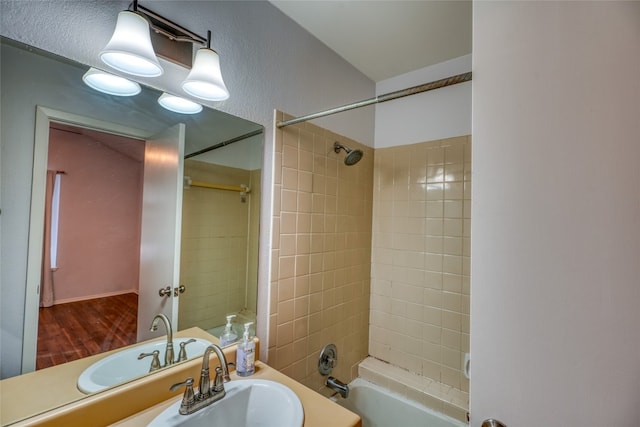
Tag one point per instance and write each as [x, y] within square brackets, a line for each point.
[437, 84]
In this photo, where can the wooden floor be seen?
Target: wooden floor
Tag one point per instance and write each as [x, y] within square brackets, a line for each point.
[75, 330]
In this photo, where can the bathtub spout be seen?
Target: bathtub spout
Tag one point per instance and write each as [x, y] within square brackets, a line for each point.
[337, 385]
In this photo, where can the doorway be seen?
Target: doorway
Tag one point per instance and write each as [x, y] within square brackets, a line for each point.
[90, 263]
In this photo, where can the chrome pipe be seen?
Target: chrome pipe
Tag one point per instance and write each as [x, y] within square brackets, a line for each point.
[328, 112]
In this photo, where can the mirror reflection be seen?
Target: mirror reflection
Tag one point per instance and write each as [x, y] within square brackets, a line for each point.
[221, 210]
[91, 246]
[99, 237]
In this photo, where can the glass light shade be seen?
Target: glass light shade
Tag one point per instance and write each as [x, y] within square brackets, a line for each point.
[109, 83]
[130, 49]
[205, 79]
[178, 104]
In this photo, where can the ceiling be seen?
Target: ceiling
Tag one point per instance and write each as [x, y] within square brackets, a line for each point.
[387, 38]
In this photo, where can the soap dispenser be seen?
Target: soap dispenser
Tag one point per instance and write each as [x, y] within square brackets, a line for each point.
[228, 336]
[246, 354]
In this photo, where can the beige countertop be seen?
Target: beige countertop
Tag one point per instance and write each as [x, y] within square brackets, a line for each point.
[56, 386]
[318, 410]
[137, 402]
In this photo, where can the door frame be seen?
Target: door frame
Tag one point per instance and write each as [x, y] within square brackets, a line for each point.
[44, 117]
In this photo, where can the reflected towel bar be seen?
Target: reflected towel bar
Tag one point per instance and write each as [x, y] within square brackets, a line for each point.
[188, 182]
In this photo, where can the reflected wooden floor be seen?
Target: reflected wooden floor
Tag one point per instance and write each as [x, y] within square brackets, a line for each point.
[75, 330]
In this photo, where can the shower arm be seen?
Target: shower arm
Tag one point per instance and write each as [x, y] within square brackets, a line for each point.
[437, 84]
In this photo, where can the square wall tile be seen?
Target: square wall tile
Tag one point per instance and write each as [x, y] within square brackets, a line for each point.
[421, 241]
[323, 238]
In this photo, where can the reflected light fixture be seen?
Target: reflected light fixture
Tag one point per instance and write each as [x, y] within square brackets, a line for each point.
[130, 49]
[110, 83]
[179, 105]
[205, 79]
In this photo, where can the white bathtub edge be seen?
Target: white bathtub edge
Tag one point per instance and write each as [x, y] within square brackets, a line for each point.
[363, 383]
[432, 394]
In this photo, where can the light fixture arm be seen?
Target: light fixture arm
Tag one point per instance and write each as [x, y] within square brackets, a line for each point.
[166, 27]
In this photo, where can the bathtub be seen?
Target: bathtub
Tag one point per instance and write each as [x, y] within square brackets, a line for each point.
[379, 407]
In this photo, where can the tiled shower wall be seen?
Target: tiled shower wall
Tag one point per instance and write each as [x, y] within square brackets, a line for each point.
[421, 259]
[215, 236]
[321, 254]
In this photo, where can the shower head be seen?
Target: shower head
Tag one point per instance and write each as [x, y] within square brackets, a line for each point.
[353, 156]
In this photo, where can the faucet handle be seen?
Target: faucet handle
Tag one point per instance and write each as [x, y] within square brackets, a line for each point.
[205, 384]
[189, 398]
[218, 382]
[182, 355]
[155, 362]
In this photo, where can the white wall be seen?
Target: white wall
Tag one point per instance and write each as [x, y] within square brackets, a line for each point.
[268, 62]
[428, 116]
[555, 272]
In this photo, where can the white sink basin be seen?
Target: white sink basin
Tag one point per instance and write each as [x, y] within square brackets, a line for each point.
[124, 365]
[248, 403]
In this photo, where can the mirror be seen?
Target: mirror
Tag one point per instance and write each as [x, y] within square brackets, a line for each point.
[220, 191]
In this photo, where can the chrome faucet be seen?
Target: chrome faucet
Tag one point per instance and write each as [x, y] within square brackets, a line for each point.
[169, 358]
[207, 392]
[337, 385]
[204, 386]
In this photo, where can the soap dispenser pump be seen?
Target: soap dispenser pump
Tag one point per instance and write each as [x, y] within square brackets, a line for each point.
[246, 354]
[228, 336]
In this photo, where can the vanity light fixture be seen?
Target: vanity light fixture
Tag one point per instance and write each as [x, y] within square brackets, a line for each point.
[205, 79]
[130, 49]
[110, 83]
[133, 49]
[178, 104]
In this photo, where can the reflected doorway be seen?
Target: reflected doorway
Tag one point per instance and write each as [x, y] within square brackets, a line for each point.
[155, 213]
[91, 250]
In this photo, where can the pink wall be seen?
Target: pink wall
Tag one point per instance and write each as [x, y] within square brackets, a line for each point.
[100, 211]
